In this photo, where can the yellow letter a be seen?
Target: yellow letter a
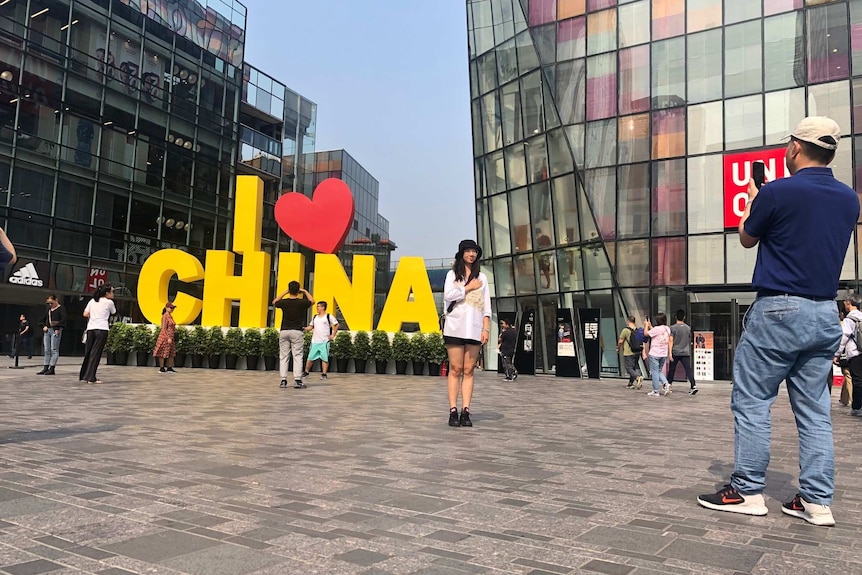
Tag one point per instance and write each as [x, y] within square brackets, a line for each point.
[410, 276]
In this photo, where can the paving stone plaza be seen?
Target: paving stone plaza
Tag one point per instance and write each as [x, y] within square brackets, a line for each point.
[215, 472]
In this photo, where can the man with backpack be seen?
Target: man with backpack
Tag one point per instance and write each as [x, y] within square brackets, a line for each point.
[850, 349]
[323, 328]
[632, 343]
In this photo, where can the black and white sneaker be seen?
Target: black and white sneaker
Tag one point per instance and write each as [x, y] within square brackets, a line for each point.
[465, 418]
[453, 418]
[729, 499]
[323, 376]
[283, 383]
[170, 370]
[811, 512]
[297, 384]
[163, 370]
[304, 374]
[693, 390]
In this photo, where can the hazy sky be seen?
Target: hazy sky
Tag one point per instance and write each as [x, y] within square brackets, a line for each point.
[390, 79]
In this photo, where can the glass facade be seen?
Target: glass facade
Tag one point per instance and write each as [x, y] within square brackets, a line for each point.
[601, 133]
[118, 137]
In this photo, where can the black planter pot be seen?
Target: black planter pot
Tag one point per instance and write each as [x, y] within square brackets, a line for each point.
[111, 358]
[122, 357]
[142, 358]
[400, 367]
[270, 363]
[251, 362]
[433, 368]
[180, 360]
[418, 367]
[381, 367]
[360, 365]
[213, 361]
[197, 361]
[342, 365]
[230, 361]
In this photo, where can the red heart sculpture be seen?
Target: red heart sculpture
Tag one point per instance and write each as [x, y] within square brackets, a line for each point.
[321, 223]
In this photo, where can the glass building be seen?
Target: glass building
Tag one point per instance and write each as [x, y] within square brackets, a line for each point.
[610, 138]
[118, 137]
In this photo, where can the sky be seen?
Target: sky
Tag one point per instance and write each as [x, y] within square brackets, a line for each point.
[390, 79]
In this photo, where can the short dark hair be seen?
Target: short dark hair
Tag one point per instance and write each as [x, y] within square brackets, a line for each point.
[816, 153]
[52, 296]
[660, 319]
[293, 287]
[631, 318]
[680, 315]
[323, 303]
[854, 298]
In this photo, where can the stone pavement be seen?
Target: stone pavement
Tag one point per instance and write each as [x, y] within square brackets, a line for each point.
[222, 473]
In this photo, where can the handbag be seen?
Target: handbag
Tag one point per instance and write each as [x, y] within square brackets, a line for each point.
[443, 315]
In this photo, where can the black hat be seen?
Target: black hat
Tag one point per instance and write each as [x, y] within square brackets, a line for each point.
[468, 245]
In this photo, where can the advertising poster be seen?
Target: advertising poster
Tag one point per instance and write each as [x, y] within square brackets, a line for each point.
[704, 352]
[590, 322]
[525, 356]
[567, 358]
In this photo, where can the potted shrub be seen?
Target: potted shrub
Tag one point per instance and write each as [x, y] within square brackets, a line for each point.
[342, 350]
[269, 345]
[214, 346]
[306, 348]
[436, 353]
[253, 343]
[418, 352]
[361, 350]
[233, 347]
[182, 339]
[116, 344]
[198, 345]
[381, 350]
[401, 352]
[142, 344]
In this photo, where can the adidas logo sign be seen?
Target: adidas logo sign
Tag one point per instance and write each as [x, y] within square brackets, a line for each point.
[26, 276]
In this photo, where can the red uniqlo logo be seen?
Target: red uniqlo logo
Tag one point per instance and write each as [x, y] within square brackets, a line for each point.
[96, 279]
[737, 173]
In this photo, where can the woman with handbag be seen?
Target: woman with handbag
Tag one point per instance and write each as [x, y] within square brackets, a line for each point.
[848, 352]
[467, 301]
[98, 312]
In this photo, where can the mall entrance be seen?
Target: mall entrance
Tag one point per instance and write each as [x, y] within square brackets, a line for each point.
[722, 314]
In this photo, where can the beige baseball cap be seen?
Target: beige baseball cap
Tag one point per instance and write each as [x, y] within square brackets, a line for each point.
[818, 130]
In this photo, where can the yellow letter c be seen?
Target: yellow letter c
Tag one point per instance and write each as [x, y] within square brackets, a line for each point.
[155, 276]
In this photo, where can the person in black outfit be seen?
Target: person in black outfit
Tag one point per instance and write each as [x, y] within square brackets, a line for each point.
[506, 344]
[25, 337]
[52, 328]
[294, 318]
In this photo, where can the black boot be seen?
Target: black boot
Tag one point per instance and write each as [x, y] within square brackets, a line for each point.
[453, 417]
[50, 371]
[465, 418]
[44, 370]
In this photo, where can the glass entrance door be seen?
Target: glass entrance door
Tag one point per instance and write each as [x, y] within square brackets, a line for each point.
[722, 314]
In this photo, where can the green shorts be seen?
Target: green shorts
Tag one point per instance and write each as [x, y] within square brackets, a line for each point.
[319, 351]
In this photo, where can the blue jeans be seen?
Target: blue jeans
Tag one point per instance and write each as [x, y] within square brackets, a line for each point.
[51, 345]
[792, 339]
[656, 366]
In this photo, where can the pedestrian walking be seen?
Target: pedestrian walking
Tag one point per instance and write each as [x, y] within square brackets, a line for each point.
[656, 352]
[849, 351]
[467, 301]
[25, 337]
[98, 313]
[790, 333]
[52, 329]
[680, 353]
[847, 386]
[506, 343]
[166, 344]
[631, 342]
[294, 310]
[323, 328]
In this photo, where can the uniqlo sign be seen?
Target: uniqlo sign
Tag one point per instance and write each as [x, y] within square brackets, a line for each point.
[737, 173]
[96, 279]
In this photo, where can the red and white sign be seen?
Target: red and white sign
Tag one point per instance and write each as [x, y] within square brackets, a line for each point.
[737, 173]
[96, 279]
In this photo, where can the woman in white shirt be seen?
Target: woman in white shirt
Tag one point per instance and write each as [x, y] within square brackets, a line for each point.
[467, 305]
[97, 312]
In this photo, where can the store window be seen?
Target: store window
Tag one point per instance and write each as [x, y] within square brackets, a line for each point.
[740, 10]
[633, 206]
[705, 194]
[703, 14]
[706, 260]
[742, 55]
[777, 6]
[828, 43]
[504, 277]
[633, 263]
[668, 133]
[668, 261]
[569, 8]
[601, 32]
[571, 39]
[32, 189]
[601, 86]
[516, 166]
[704, 66]
[601, 146]
[559, 154]
[632, 17]
[705, 128]
[519, 216]
[601, 189]
[566, 209]
[634, 139]
[668, 18]
[525, 275]
[783, 110]
[668, 198]
[784, 64]
[743, 122]
[570, 269]
[634, 80]
[740, 261]
[833, 101]
[668, 73]
[571, 91]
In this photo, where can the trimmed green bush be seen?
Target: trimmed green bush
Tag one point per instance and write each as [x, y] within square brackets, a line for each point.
[381, 349]
[233, 342]
[270, 342]
[436, 348]
[401, 349]
[342, 346]
[419, 347]
[361, 346]
[142, 339]
[215, 341]
[183, 339]
[119, 338]
[198, 340]
[253, 342]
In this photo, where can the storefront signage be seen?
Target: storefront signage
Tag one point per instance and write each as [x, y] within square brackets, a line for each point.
[96, 278]
[737, 173]
[704, 351]
[409, 299]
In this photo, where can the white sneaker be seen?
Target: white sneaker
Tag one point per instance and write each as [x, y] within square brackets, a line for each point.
[811, 512]
[666, 389]
[653, 394]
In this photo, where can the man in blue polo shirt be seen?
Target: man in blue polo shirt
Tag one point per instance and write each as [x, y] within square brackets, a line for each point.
[803, 225]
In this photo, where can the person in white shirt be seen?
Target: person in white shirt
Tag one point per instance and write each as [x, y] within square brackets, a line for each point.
[98, 311]
[467, 305]
[323, 328]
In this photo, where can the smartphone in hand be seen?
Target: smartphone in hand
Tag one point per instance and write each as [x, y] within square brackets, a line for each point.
[758, 174]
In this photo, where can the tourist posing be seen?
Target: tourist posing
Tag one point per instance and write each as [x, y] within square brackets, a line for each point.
[98, 313]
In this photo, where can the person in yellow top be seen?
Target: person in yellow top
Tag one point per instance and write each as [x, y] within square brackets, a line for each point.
[631, 349]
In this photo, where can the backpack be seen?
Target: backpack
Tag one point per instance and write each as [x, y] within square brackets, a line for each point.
[636, 339]
[857, 333]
